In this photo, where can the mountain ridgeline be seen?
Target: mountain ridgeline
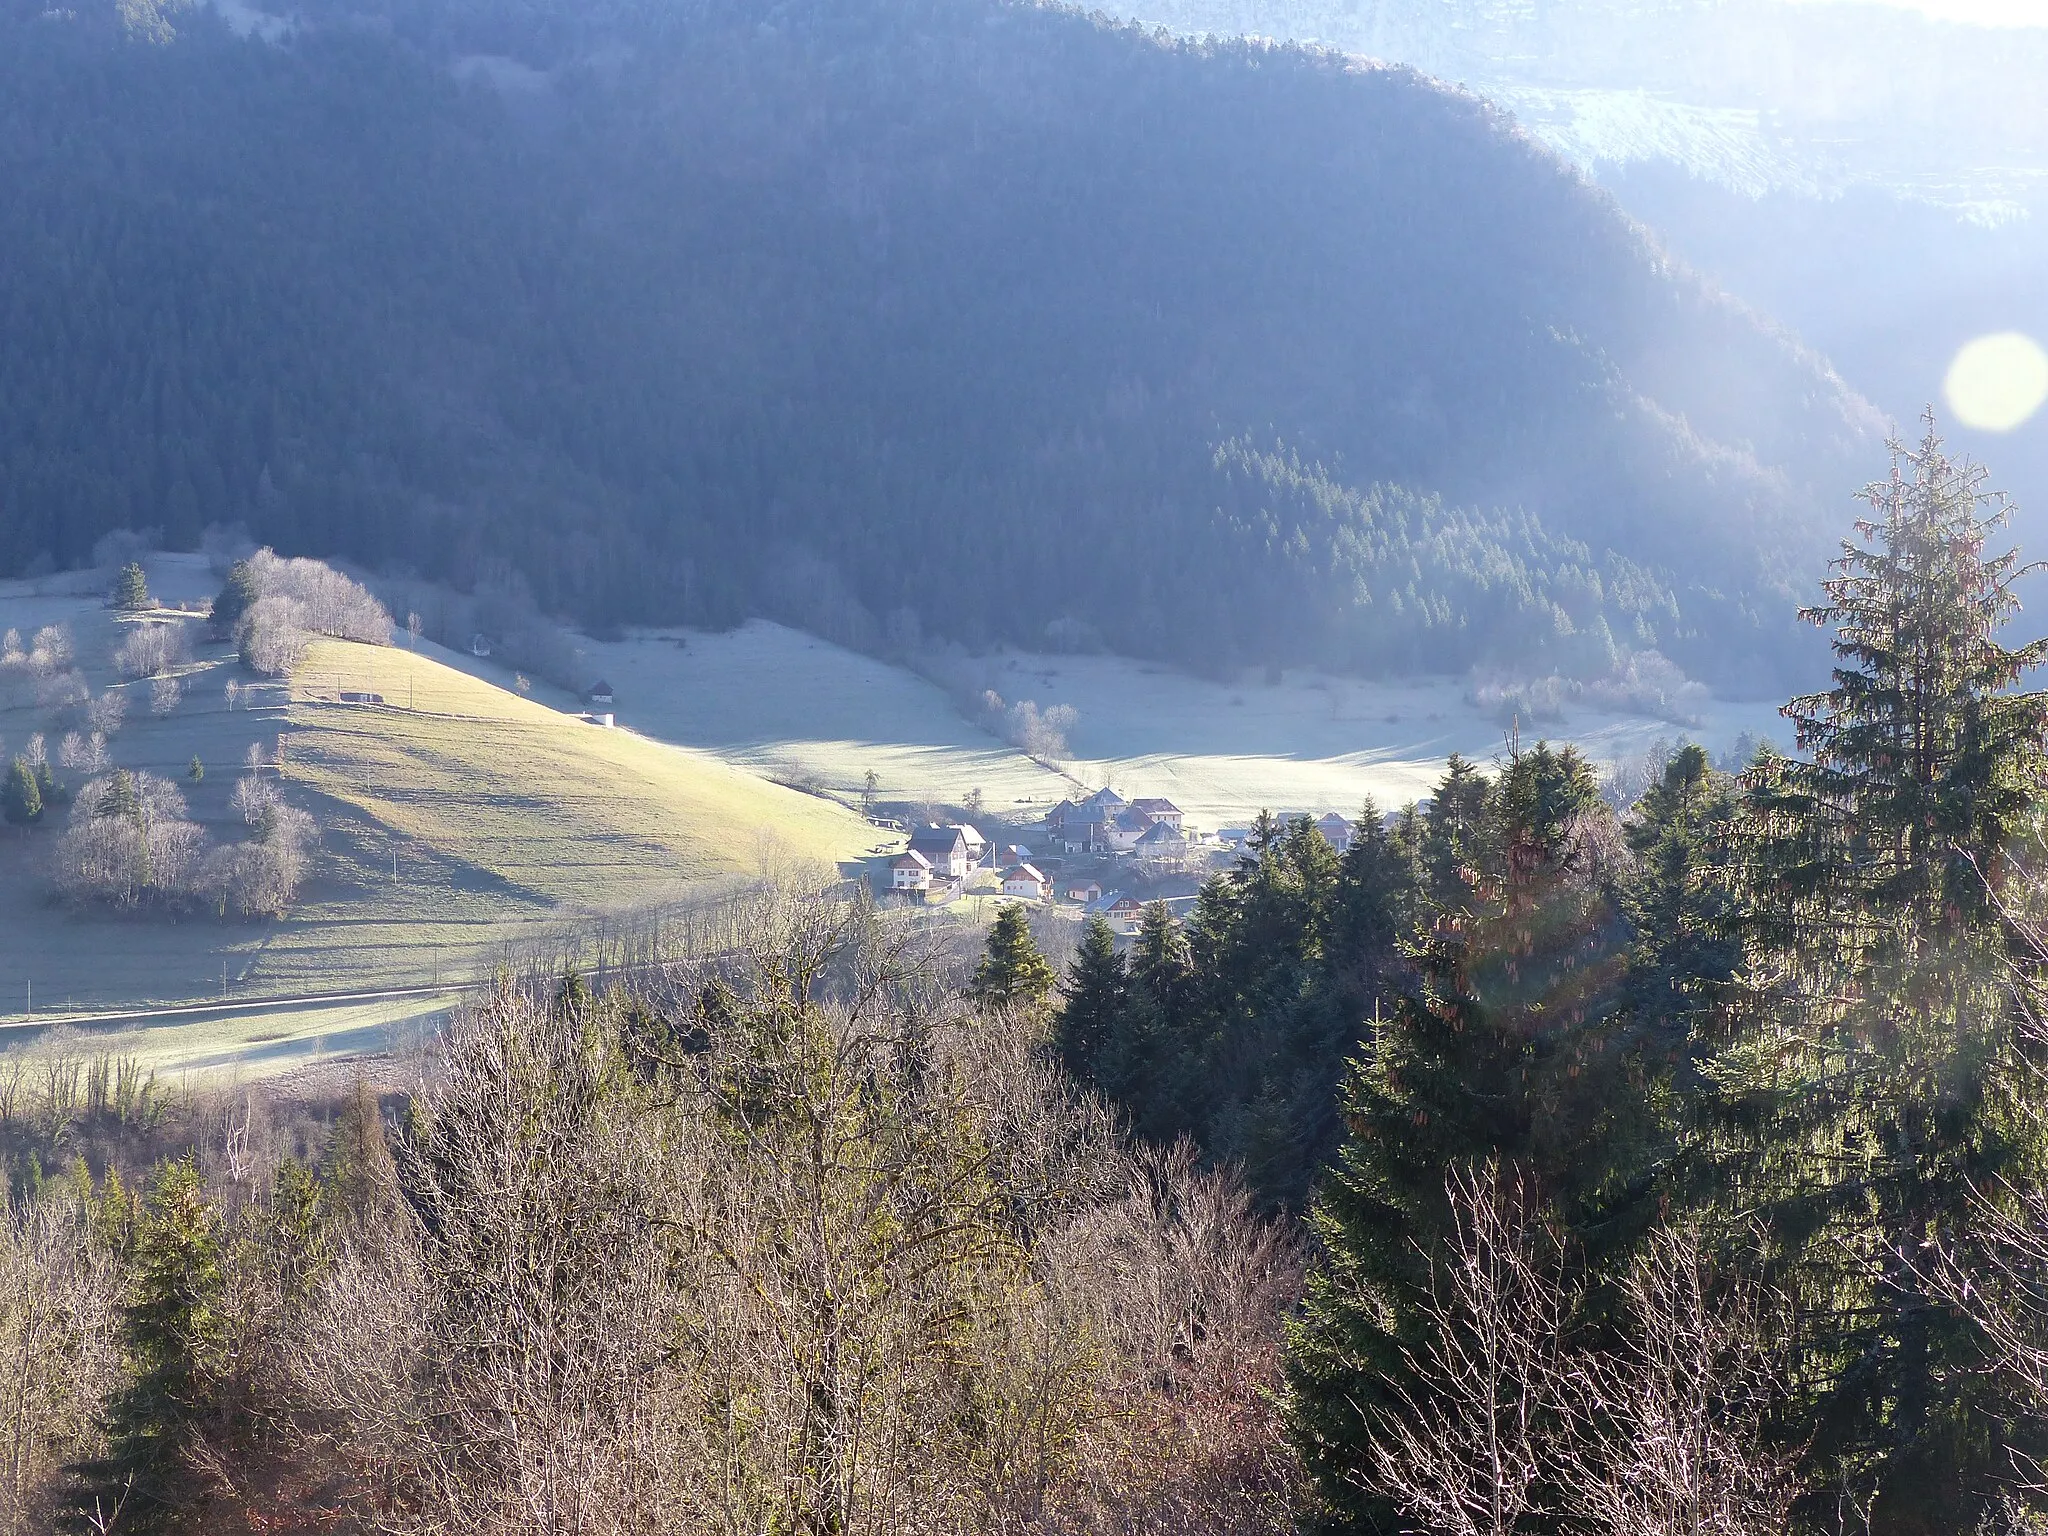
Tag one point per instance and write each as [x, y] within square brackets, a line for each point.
[978, 319]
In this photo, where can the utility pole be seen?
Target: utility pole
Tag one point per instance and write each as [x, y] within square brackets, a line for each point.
[223, 981]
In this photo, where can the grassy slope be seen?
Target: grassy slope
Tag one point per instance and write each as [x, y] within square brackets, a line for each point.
[504, 815]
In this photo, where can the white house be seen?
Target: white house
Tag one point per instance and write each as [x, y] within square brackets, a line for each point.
[910, 872]
[1084, 891]
[1025, 882]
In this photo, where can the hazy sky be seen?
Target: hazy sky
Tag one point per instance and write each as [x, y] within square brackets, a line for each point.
[1995, 13]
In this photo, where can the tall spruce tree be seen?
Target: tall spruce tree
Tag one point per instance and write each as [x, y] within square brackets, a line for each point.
[1374, 909]
[1865, 1089]
[1485, 1059]
[1093, 997]
[1683, 952]
[1012, 972]
[1150, 1062]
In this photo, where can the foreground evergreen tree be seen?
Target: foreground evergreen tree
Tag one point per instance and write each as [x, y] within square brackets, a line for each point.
[1867, 1085]
[174, 1329]
[1012, 972]
[1151, 1061]
[1375, 906]
[1683, 952]
[1498, 1057]
[1093, 998]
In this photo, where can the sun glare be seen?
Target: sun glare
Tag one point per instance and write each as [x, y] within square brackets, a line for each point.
[1997, 382]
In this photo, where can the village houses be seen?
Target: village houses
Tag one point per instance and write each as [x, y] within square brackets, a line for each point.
[1106, 823]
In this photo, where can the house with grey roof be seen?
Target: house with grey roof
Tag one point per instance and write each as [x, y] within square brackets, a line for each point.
[945, 849]
[1160, 809]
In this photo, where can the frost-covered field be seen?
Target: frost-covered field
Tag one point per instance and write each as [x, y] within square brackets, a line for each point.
[782, 702]
[457, 820]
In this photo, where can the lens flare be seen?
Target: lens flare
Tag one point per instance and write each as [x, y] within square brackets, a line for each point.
[1997, 382]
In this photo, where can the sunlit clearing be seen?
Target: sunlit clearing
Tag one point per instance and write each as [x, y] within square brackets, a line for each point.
[1997, 382]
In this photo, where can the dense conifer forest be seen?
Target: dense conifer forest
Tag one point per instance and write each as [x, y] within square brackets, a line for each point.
[983, 315]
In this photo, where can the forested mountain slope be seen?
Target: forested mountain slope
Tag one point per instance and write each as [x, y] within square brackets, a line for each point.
[985, 315]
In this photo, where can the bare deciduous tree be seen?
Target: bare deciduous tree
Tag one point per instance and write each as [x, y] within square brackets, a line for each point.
[1469, 1451]
[61, 689]
[59, 1353]
[792, 1241]
[129, 836]
[1662, 1432]
[324, 600]
[83, 752]
[1669, 1432]
[255, 799]
[273, 635]
[51, 651]
[152, 648]
[261, 877]
[105, 713]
